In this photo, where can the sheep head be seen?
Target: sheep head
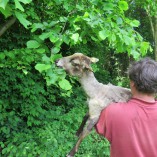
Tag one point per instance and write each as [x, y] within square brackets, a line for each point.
[76, 64]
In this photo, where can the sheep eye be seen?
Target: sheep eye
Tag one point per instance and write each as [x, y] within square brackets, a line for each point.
[74, 62]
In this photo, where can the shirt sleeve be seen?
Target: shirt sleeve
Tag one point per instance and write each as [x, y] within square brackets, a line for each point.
[104, 124]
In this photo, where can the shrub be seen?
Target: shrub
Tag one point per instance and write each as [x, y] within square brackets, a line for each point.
[36, 121]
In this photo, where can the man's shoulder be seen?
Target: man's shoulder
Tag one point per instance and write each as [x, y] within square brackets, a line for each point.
[120, 109]
[119, 105]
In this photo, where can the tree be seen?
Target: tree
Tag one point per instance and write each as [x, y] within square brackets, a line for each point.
[150, 7]
[58, 23]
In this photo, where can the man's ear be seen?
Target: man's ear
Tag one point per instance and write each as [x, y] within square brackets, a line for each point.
[132, 84]
[94, 60]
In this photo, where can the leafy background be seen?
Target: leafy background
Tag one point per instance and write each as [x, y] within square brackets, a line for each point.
[40, 106]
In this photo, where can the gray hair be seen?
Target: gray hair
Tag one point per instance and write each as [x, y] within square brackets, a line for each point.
[144, 74]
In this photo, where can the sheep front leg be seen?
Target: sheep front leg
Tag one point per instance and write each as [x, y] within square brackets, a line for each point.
[85, 118]
[90, 124]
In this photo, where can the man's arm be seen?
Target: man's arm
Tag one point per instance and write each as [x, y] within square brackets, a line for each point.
[103, 126]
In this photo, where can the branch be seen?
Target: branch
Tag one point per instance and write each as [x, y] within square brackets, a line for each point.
[72, 12]
[7, 25]
[155, 29]
[151, 21]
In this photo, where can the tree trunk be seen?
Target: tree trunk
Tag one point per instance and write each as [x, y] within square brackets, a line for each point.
[153, 24]
[7, 25]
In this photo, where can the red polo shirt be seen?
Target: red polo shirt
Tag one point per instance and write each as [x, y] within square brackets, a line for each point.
[131, 128]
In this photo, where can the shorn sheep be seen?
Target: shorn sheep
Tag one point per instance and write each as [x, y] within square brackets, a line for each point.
[98, 94]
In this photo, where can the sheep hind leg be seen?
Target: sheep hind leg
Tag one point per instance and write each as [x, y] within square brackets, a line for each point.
[85, 132]
[85, 118]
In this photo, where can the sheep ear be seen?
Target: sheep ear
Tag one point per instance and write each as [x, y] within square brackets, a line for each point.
[94, 60]
[89, 68]
[86, 64]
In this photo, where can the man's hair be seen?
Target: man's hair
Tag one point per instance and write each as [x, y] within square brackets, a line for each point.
[144, 75]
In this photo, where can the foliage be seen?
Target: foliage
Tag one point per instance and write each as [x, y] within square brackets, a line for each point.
[70, 23]
[38, 116]
[34, 123]
[148, 17]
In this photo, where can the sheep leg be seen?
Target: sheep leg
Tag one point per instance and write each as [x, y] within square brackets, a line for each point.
[86, 131]
[85, 118]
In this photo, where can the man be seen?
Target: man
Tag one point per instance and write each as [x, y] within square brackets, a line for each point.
[131, 127]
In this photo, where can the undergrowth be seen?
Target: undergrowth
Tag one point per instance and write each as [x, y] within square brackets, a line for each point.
[36, 121]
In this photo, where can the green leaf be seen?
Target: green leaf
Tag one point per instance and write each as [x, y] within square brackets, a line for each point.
[127, 40]
[53, 38]
[108, 6]
[32, 44]
[41, 50]
[25, 71]
[113, 37]
[76, 27]
[66, 39]
[75, 37]
[123, 5]
[144, 48]
[6, 12]
[55, 50]
[36, 26]
[44, 36]
[22, 18]
[10, 55]
[53, 23]
[103, 34]
[120, 47]
[18, 5]
[42, 67]
[55, 57]
[135, 23]
[135, 54]
[26, 1]
[3, 3]
[45, 59]
[51, 79]
[119, 20]
[64, 84]
[93, 38]
[63, 19]
[2, 56]
[86, 14]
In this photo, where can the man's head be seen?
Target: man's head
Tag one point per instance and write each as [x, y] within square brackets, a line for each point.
[143, 73]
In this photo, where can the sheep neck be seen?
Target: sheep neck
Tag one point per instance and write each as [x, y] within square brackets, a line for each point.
[89, 83]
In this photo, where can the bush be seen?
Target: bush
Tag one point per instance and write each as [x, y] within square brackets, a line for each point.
[36, 121]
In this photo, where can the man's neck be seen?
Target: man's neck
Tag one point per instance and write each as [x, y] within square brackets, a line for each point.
[145, 97]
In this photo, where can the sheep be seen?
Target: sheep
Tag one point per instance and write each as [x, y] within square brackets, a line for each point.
[98, 95]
